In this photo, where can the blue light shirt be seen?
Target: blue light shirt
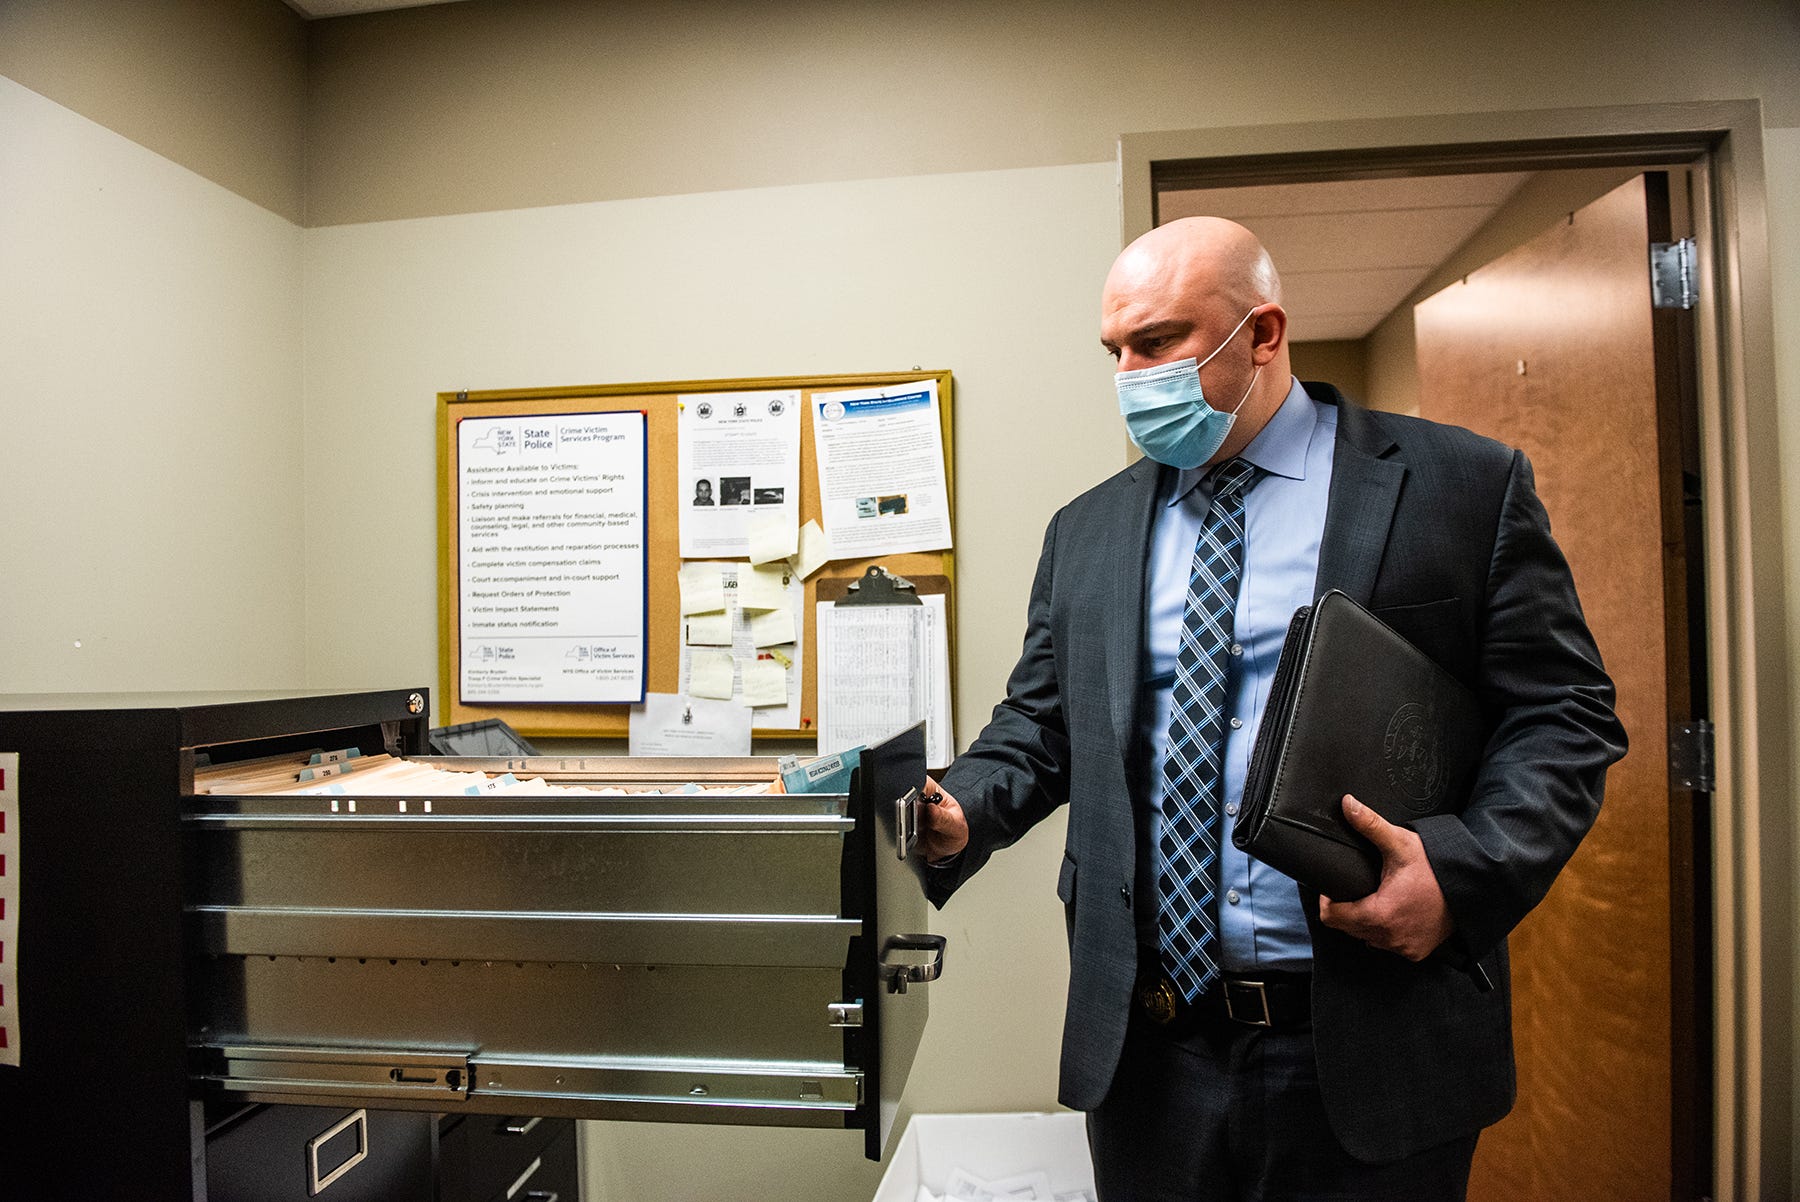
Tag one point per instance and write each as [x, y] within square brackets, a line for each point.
[1261, 925]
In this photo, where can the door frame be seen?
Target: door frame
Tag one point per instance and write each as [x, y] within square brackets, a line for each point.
[1746, 636]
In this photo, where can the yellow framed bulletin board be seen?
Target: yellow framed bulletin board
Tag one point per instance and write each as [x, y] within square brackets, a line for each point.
[660, 405]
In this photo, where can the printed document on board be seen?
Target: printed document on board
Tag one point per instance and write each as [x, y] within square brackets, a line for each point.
[552, 558]
[738, 457]
[670, 724]
[882, 484]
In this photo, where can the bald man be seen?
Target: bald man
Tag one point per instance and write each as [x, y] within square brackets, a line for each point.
[1253, 1040]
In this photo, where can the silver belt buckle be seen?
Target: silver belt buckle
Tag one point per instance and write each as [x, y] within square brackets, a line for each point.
[1261, 993]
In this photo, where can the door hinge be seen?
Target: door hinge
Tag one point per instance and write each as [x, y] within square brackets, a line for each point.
[1672, 280]
[1691, 756]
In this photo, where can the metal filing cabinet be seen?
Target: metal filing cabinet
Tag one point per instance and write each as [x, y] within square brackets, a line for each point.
[702, 958]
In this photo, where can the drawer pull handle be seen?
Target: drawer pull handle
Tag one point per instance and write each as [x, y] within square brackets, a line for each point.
[316, 1184]
[899, 974]
[519, 1126]
[906, 823]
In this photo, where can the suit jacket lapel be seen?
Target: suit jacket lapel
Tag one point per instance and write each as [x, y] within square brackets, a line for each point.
[1365, 488]
[1129, 562]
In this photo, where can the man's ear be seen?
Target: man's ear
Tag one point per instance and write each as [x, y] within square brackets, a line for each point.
[1267, 331]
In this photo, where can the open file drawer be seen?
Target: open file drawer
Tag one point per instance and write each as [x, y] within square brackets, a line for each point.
[698, 958]
[180, 953]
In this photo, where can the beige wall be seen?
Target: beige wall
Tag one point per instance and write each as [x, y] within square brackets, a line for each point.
[218, 86]
[555, 192]
[484, 105]
[150, 420]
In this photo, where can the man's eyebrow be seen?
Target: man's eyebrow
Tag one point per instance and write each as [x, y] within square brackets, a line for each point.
[1172, 325]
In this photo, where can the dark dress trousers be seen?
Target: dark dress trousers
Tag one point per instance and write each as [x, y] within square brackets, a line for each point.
[1440, 532]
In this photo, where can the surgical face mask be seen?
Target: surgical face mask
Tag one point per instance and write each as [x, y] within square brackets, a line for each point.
[1166, 413]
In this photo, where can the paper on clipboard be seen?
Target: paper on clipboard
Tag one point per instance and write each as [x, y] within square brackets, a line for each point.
[881, 669]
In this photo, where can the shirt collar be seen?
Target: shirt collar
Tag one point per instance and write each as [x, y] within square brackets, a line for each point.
[1279, 448]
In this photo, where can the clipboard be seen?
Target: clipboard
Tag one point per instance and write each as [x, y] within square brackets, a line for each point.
[877, 587]
[852, 708]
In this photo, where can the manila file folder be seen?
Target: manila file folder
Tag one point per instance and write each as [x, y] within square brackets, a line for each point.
[1354, 708]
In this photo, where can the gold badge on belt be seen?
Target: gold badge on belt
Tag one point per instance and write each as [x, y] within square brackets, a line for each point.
[1158, 1000]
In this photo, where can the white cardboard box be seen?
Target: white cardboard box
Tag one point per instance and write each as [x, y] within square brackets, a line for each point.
[993, 1146]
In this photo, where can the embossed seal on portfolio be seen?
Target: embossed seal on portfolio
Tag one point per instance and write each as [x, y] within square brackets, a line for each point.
[1412, 754]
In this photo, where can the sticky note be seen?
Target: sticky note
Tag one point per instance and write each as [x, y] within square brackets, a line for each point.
[708, 630]
[772, 627]
[765, 683]
[702, 588]
[815, 550]
[709, 675]
[772, 537]
[764, 586]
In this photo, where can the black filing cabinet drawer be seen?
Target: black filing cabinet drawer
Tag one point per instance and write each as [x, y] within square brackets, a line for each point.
[296, 1153]
[484, 1156]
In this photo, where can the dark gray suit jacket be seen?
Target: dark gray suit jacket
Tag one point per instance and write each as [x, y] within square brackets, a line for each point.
[1441, 533]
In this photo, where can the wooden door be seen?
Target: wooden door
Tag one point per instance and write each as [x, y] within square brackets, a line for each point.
[1555, 348]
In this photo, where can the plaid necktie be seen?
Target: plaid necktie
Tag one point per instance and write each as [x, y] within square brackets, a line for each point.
[1193, 772]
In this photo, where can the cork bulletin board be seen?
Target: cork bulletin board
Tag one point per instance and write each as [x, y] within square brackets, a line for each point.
[930, 571]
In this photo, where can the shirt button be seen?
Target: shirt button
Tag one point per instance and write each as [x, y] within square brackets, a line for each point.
[1231, 808]
[1237, 648]
[1237, 724]
[1232, 897]
[1125, 895]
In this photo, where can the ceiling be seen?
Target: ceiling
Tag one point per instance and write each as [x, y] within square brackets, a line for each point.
[1351, 251]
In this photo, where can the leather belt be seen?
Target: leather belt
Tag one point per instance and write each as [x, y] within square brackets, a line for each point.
[1279, 1001]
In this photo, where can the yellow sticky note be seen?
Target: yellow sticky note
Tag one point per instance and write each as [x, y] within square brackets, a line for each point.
[815, 550]
[709, 675]
[772, 627]
[772, 537]
[764, 586]
[709, 630]
[702, 588]
[765, 683]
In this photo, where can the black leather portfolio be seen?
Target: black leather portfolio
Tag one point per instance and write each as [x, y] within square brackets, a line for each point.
[1354, 708]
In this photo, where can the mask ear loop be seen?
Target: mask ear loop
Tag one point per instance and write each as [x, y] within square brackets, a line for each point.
[1253, 378]
[1257, 374]
[1228, 338]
